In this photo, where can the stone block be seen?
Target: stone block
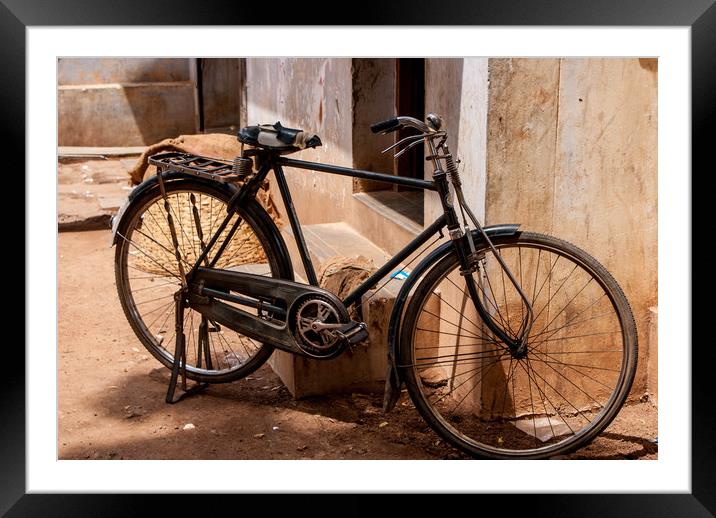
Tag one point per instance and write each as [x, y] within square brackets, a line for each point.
[544, 428]
[361, 369]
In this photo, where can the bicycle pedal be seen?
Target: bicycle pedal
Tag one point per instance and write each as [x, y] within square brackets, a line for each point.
[353, 333]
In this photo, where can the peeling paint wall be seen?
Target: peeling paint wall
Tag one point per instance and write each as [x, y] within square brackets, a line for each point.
[373, 101]
[572, 151]
[316, 96]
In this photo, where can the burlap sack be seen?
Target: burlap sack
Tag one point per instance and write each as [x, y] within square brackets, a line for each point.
[341, 275]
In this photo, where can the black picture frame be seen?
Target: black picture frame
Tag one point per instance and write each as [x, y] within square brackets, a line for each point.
[700, 15]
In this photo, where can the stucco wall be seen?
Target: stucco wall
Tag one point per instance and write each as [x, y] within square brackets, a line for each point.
[572, 151]
[457, 89]
[124, 101]
[373, 101]
[562, 146]
[316, 96]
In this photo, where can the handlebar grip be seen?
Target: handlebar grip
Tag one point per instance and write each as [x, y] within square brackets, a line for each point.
[385, 126]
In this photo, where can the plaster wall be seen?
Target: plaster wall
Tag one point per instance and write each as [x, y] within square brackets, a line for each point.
[572, 152]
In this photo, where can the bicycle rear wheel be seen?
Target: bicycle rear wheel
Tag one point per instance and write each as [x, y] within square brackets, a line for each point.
[147, 274]
[483, 399]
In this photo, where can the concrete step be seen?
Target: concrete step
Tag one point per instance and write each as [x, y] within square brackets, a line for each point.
[365, 367]
[78, 152]
[387, 227]
[329, 240]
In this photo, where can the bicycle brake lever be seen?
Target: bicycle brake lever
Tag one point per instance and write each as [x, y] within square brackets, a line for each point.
[402, 141]
[406, 148]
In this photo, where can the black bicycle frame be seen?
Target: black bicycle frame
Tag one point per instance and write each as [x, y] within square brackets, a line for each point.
[272, 161]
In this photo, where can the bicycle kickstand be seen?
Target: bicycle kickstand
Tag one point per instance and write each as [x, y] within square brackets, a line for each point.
[180, 357]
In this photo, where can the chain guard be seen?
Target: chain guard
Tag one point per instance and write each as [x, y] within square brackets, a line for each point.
[209, 288]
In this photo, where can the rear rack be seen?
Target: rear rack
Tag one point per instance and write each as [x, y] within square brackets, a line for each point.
[213, 168]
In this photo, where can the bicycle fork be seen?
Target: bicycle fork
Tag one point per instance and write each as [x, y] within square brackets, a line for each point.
[470, 259]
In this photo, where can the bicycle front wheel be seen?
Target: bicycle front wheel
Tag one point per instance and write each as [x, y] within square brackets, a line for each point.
[490, 402]
[147, 274]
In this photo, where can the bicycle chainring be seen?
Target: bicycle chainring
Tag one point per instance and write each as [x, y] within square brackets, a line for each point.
[319, 343]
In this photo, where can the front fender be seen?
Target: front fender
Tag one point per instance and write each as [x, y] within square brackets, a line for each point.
[393, 381]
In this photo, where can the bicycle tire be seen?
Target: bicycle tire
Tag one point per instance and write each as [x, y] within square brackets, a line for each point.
[228, 363]
[484, 429]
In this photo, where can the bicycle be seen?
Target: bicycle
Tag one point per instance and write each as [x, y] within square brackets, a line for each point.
[511, 344]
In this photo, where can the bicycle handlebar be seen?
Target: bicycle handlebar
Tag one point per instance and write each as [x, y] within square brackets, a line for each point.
[396, 123]
[385, 126]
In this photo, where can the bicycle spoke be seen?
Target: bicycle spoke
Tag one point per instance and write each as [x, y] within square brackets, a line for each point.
[461, 313]
[159, 226]
[482, 375]
[504, 295]
[545, 396]
[451, 323]
[567, 304]
[231, 349]
[532, 404]
[547, 278]
[463, 361]
[458, 345]
[510, 368]
[147, 255]
[157, 285]
[569, 380]
[153, 300]
[159, 308]
[499, 315]
[583, 374]
[505, 323]
[476, 371]
[569, 323]
[181, 228]
[544, 405]
[485, 339]
[540, 342]
[578, 365]
[552, 333]
[534, 287]
[578, 412]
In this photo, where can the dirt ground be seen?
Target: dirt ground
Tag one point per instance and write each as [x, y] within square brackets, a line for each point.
[90, 190]
[111, 396]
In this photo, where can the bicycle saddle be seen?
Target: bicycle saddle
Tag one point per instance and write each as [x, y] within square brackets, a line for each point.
[275, 136]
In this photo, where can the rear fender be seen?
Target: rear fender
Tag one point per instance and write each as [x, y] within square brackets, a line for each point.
[259, 214]
[119, 219]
